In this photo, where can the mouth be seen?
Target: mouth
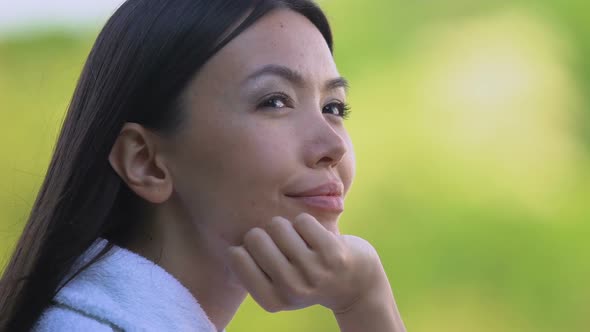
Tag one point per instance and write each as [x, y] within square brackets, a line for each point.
[334, 204]
[327, 197]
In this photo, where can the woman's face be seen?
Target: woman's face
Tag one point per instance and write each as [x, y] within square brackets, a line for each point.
[262, 126]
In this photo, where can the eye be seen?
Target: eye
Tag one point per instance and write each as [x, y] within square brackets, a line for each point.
[337, 108]
[276, 101]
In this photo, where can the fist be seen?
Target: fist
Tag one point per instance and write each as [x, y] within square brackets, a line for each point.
[292, 265]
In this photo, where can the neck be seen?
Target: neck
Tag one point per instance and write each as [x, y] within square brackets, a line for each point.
[197, 263]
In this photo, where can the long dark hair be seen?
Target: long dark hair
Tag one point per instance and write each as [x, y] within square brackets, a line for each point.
[141, 62]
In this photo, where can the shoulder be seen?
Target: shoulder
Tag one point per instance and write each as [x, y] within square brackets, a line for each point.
[59, 318]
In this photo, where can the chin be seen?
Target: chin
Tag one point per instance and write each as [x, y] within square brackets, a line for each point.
[333, 227]
[329, 222]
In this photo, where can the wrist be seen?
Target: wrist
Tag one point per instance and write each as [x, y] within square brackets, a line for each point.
[375, 310]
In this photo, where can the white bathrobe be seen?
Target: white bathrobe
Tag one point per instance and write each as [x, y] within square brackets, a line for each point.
[123, 292]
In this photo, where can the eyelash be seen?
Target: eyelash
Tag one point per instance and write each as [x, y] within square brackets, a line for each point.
[343, 108]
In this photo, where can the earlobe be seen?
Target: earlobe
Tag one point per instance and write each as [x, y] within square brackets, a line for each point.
[135, 158]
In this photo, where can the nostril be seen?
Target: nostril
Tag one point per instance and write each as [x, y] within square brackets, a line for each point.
[328, 161]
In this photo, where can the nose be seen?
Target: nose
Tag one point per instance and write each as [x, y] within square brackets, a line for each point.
[325, 145]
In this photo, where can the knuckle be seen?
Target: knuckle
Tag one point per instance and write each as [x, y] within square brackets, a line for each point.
[336, 259]
[292, 296]
[280, 277]
[293, 291]
[272, 306]
[317, 278]
[302, 292]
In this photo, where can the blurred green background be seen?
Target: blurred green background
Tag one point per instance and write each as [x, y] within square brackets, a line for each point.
[471, 125]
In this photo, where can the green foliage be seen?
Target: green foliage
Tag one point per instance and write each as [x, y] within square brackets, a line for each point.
[469, 123]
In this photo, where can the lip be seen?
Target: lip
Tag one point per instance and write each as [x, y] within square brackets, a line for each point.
[326, 189]
[327, 196]
[325, 203]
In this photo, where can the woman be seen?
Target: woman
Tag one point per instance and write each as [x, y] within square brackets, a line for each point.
[203, 157]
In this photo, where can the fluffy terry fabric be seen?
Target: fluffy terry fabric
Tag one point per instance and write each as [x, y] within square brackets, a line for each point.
[123, 292]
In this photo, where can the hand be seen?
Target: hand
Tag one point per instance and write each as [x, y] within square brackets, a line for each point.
[288, 266]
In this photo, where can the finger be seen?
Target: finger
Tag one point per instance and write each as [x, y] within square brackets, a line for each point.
[294, 248]
[253, 278]
[268, 256]
[289, 241]
[316, 236]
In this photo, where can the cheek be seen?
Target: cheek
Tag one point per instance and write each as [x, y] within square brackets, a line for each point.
[259, 154]
[251, 175]
[348, 165]
[233, 172]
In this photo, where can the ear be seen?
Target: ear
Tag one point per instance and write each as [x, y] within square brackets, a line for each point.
[135, 158]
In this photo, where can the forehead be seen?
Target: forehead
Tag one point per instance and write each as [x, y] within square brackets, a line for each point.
[282, 37]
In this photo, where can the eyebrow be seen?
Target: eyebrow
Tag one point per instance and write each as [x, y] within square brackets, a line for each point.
[295, 77]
